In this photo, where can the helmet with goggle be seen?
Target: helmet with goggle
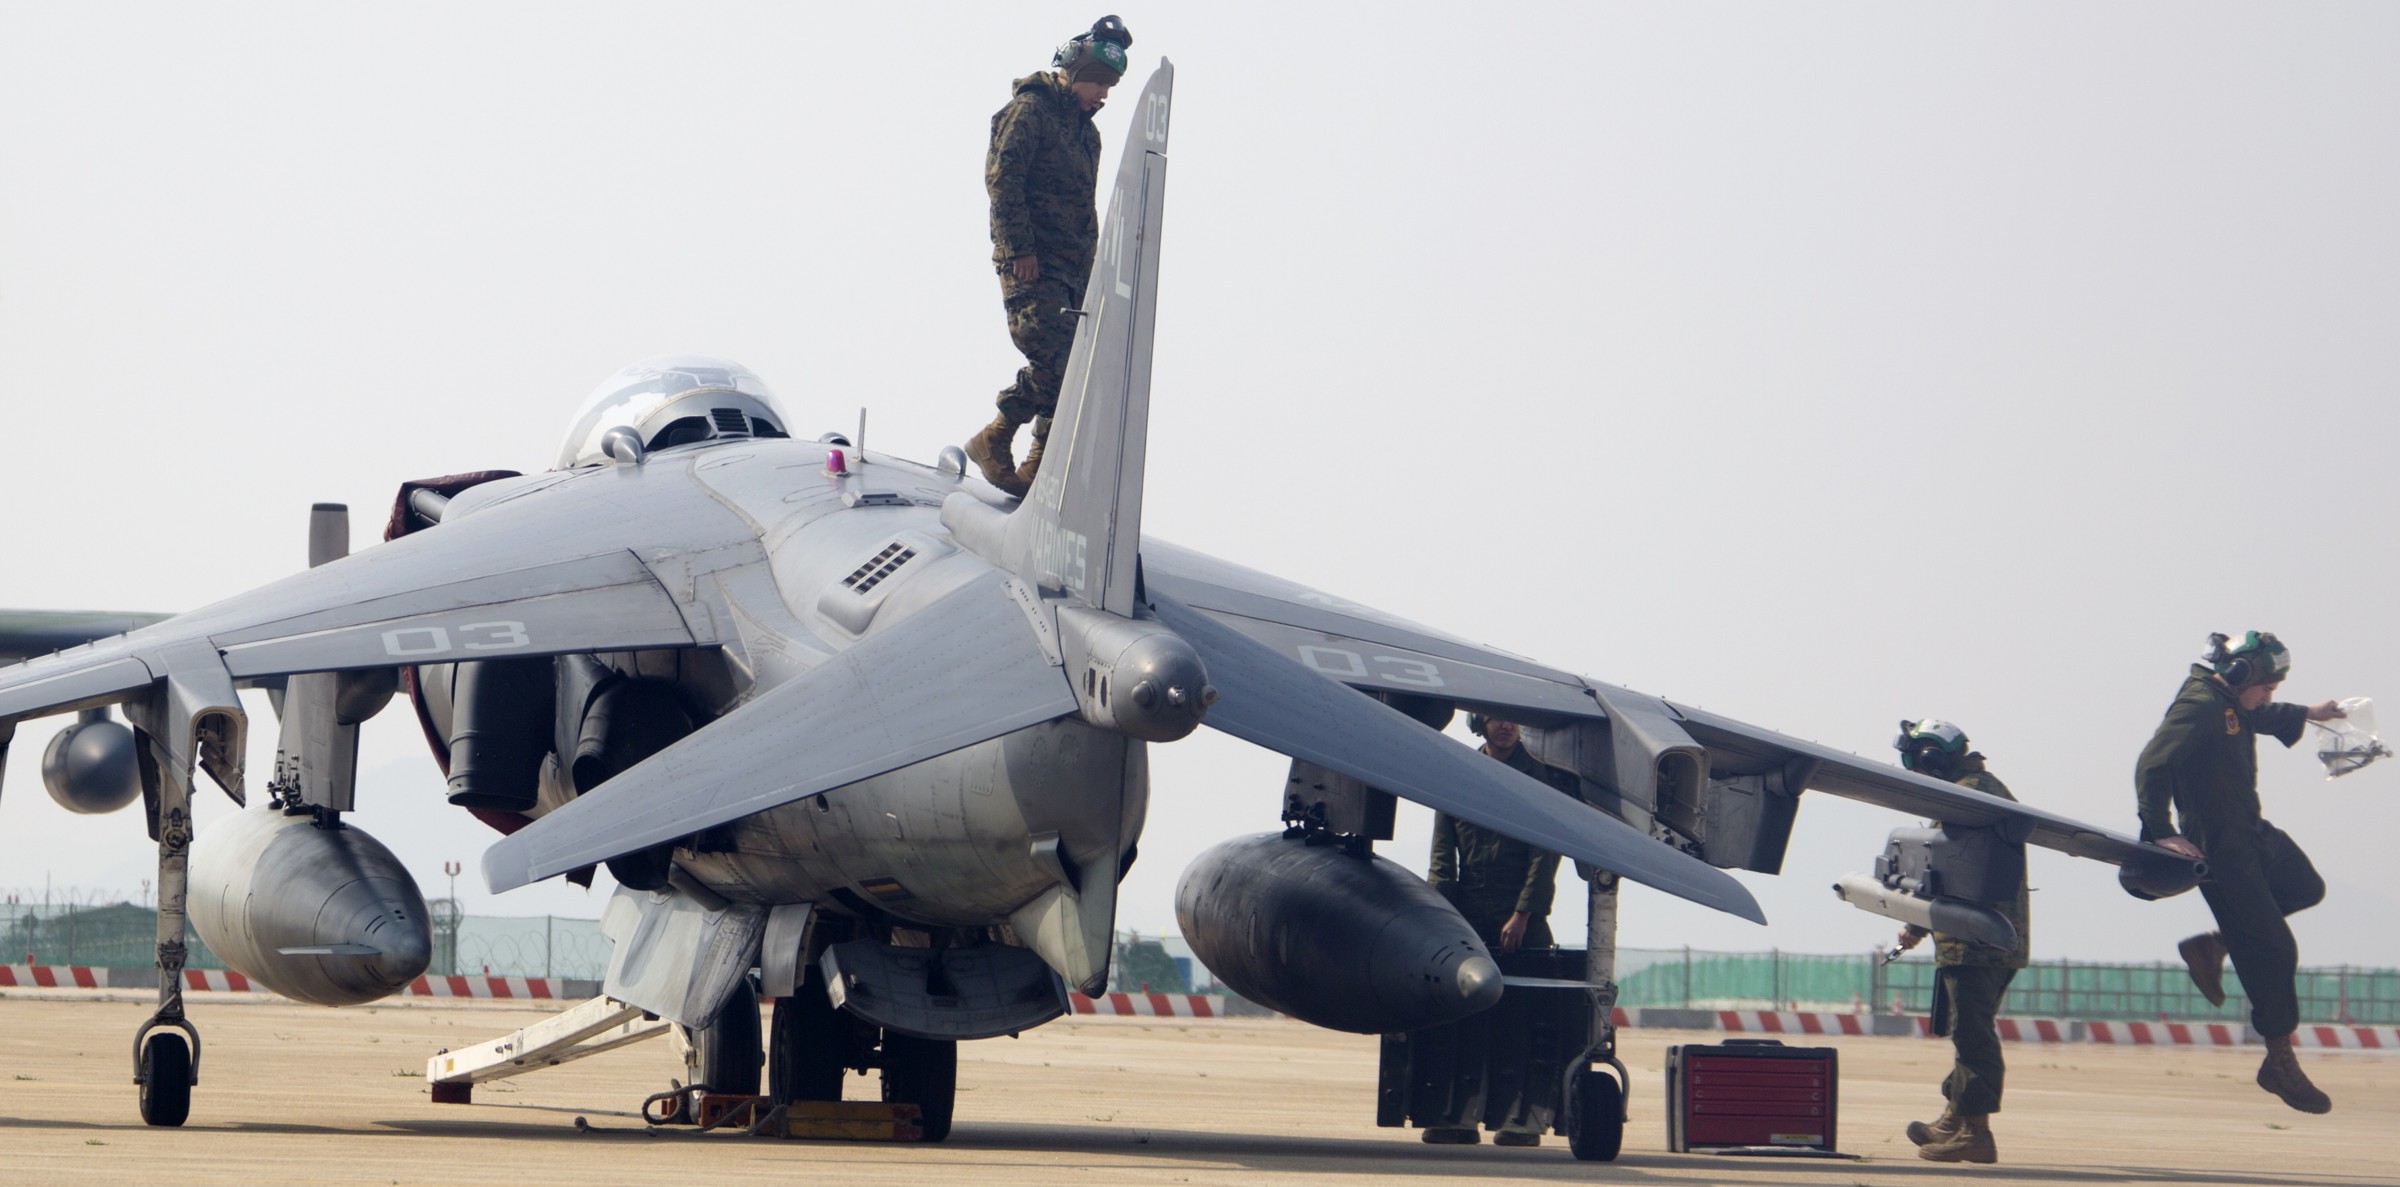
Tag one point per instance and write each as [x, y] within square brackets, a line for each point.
[1930, 747]
[2260, 658]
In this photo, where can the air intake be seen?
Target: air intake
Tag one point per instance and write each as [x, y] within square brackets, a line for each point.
[730, 422]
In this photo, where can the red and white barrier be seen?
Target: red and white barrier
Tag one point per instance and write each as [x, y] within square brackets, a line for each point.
[1790, 1022]
[532, 988]
[1148, 1005]
[2015, 1030]
[2348, 1038]
[2165, 1034]
[222, 980]
[51, 976]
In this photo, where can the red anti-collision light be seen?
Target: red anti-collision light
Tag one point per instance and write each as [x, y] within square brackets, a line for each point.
[835, 463]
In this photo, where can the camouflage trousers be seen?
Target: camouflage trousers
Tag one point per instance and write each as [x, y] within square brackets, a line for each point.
[1968, 1010]
[1044, 334]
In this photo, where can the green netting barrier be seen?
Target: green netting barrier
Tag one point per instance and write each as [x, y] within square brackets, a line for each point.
[2059, 989]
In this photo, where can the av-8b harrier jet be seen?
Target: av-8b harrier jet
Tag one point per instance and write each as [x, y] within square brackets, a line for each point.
[869, 737]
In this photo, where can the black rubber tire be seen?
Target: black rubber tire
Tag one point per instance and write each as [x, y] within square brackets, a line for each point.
[166, 1079]
[809, 1047]
[727, 1054]
[924, 1073]
[1595, 1117]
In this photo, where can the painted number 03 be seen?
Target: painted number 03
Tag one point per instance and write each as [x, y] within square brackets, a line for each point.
[474, 636]
[1350, 665]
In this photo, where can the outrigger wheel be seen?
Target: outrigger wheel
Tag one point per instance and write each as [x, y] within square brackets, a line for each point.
[1595, 1116]
[164, 1069]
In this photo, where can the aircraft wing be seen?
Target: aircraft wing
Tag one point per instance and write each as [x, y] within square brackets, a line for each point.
[1358, 645]
[1838, 772]
[595, 560]
[1369, 649]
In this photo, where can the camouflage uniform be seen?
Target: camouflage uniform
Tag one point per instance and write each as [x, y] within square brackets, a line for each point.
[1041, 171]
[1971, 979]
[2204, 761]
[1489, 876]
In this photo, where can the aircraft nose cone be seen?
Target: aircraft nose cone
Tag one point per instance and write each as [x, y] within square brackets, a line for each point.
[1478, 983]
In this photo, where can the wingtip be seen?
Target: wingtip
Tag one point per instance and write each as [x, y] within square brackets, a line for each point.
[505, 867]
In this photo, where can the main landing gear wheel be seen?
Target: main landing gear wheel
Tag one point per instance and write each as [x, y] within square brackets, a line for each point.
[166, 1079]
[726, 1055]
[809, 1046]
[1595, 1116]
[924, 1073]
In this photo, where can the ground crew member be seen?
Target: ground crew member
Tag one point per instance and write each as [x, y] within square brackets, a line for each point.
[1041, 172]
[2204, 762]
[1970, 978]
[1503, 887]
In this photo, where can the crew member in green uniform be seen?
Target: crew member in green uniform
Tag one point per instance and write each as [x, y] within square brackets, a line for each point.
[1502, 886]
[1042, 171]
[1971, 978]
[2203, 761]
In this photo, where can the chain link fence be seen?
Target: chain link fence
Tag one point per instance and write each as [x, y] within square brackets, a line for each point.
[2051, 988]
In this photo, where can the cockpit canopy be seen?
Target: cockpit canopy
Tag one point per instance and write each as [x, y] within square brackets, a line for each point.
[671, 400]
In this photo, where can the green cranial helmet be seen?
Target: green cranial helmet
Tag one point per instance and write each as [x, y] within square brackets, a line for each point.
[1930, 745]
[1095, 56]
[2260, 658]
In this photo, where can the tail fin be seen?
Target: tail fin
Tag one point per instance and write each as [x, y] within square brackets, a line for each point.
[1078, 529]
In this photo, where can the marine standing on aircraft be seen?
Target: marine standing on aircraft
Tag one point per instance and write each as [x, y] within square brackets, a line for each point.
[878, 734]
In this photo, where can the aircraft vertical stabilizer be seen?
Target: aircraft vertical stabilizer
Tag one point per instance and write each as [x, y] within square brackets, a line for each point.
[1079, 527]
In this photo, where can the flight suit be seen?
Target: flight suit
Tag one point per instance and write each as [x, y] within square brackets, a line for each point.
[2203, 761]
[1972, 978]
[1041, 172]
[1489, 875]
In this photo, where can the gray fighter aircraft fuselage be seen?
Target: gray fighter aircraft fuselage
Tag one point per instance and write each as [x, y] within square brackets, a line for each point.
[867, 736]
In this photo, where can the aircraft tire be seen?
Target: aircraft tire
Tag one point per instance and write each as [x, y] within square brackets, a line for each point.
[1595, 1117]
[807, 1045]
[924, 1073]
[727, 1052]
[166, 1080]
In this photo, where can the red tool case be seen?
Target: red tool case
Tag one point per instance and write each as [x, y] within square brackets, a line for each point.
[1750, 1093]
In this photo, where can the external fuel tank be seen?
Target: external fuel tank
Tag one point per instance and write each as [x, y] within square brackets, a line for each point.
[1345, 941]
[320, 914]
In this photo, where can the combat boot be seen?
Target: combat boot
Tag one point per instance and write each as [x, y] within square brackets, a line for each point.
[2204, 955]
[1970, 1142]
[1923, 1134]
[1032, 464]
[2280, 1074]
[994, 452]
[1451, 1135]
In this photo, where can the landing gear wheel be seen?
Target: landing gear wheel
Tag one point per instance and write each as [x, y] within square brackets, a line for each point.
[726, 1055]
[1595, 1117]
[166, 1079]
[924, 1073]
[809, 1045]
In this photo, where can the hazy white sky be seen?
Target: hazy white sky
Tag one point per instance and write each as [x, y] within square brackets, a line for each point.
[1822, 365]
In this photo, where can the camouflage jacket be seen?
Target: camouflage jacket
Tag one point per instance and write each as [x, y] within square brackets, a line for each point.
[1952, 951]
[1489, 875]
[1041, 171]
[2204, 761]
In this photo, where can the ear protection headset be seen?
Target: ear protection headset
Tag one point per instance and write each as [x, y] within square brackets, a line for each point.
[1107, 41]
[1475, 724]
[2260, 658]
